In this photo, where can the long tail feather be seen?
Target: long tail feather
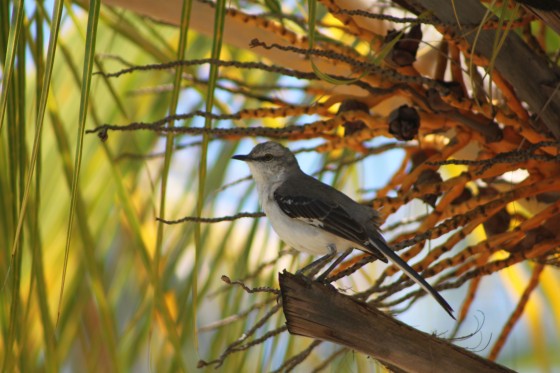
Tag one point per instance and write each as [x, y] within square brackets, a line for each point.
[393, 257]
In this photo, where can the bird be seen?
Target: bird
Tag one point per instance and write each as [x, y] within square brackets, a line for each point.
[315, 218]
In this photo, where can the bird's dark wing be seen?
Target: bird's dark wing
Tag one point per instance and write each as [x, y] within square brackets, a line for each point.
[326, 215]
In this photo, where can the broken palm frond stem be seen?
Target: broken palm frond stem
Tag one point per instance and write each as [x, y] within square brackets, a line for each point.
[319, 311]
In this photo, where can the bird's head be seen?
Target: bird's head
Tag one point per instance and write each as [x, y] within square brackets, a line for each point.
[269, 161]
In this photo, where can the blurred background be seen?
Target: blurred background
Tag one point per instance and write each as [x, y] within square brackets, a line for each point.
[103, 131]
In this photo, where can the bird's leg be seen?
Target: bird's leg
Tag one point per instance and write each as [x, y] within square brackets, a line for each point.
[316, 265]
[338, 260]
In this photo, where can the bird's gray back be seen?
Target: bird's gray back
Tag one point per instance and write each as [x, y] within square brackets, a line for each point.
[308, 186]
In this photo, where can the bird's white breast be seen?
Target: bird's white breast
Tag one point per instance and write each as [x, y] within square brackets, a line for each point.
[303, 236]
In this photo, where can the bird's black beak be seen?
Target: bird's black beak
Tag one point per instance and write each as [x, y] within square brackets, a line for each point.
[240, 157]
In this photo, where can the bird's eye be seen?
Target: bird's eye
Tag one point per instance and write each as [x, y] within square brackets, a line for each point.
[267, 157]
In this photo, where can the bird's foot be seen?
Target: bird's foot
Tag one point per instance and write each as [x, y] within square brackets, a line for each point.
[323, 277]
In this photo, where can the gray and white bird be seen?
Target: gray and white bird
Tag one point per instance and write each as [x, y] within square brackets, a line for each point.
[315, 218]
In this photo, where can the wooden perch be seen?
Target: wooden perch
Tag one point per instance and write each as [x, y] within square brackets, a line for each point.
[319, 311]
